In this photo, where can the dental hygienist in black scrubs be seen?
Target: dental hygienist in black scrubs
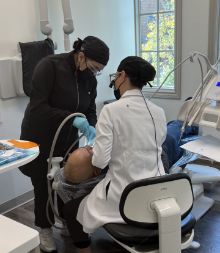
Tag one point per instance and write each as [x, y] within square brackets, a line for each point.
[61, 85]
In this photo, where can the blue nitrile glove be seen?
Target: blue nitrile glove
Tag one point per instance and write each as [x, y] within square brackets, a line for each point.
[83, 125]
[91, 136]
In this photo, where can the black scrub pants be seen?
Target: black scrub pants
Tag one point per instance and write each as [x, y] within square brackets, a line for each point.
[79, 237]
[37, 169]
[40, 202]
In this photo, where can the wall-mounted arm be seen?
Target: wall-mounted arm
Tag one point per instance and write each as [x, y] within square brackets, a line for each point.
[44, 23]
[68, 27]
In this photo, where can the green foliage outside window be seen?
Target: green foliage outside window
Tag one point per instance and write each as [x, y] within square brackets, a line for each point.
[157, 42]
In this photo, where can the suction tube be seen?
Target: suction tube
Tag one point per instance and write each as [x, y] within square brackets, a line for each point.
[50, 160]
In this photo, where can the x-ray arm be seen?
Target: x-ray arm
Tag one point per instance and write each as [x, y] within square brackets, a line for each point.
[44, 23]
[68, 27]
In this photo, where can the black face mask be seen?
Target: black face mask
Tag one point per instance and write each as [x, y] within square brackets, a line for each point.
[82, 74]
[117, 94]
[116, 91]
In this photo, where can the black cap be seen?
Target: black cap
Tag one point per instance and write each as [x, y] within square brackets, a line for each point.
[93, 48]
[139, 70]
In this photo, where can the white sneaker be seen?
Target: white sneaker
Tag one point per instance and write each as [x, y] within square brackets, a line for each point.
[47, 243]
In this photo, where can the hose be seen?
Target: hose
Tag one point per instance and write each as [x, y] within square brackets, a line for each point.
[50, 198]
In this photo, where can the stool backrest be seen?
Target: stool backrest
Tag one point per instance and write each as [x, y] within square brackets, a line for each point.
[136, 204]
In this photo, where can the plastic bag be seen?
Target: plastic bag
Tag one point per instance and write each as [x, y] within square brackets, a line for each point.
[68, 191]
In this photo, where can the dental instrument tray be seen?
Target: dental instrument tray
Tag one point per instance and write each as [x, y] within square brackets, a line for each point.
[9, 153]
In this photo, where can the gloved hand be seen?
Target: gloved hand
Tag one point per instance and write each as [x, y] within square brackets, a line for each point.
[91, 136]
[83, 125]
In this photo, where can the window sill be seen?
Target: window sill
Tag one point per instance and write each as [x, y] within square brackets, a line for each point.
[165, 94]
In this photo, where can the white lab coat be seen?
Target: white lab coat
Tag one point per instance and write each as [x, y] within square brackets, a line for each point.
[126, 141]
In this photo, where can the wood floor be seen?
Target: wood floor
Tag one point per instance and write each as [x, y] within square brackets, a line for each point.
[207, 232]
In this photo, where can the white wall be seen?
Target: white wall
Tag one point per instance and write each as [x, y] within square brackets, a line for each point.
[18, 22]
[112, 21]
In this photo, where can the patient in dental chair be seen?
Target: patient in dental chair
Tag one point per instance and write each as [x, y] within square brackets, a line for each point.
[78, 167]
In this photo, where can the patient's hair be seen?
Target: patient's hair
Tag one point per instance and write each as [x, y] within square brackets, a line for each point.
[78, 167]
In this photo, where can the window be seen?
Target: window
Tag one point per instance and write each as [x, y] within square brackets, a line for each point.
[214, 31]
[158, 38]
[218, 40]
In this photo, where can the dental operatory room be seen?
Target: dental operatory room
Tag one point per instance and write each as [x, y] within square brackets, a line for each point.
[110, 126]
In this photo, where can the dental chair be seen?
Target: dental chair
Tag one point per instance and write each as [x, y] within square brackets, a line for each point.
[202, 177]
[157, 215]
[184, 161]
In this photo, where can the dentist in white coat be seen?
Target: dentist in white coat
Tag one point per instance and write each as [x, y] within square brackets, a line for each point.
[130, 133]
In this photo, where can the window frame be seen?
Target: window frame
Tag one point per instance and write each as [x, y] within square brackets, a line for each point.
[214, 33]
[164, 93]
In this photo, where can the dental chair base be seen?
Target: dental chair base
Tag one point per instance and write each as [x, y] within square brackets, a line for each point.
[202, 204]
[200, 175]
[157, 216]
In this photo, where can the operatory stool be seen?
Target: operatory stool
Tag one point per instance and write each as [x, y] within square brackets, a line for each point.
[17, 238]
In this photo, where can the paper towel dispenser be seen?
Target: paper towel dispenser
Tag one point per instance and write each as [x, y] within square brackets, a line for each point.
[11, 81]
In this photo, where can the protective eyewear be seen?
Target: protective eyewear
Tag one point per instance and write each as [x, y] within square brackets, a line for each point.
[114, 76]
[94, 69]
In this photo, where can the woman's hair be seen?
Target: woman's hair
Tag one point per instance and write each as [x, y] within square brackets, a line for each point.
[139, 71]
[77, 45]
[93, 48]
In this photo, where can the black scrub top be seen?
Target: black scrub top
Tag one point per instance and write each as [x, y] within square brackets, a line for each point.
[57, 91]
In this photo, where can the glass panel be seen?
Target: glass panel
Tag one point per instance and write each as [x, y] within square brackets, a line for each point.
[166, 5]
[152, 58]
[167, 31]
[157, 38]
[148, 33]
[148, 6]
[166, 64]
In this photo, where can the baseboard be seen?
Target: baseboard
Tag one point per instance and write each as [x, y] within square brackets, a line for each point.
[16, 202]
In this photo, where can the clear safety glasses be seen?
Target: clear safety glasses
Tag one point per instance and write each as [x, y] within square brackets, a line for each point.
[94, 69]
[114, 76]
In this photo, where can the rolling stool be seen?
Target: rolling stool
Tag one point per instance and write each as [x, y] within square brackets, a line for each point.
[17, 238]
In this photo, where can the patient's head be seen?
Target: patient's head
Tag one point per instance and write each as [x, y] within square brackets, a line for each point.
[79, 166]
